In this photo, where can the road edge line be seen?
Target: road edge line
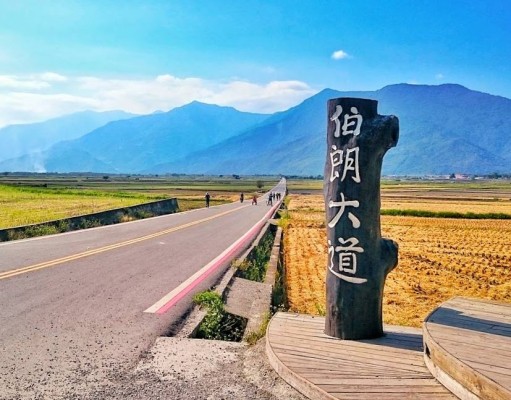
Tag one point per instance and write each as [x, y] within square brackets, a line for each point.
[173, 297]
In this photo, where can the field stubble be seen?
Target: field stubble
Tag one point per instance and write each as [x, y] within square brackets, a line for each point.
[438, 259]
[41, 200]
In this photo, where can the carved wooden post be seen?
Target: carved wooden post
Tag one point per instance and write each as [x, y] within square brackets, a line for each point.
[358, 258]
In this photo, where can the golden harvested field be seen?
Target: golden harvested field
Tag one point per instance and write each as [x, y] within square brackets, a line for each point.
[30, 199]
[438, 259]
[451, 205]
[21, 206]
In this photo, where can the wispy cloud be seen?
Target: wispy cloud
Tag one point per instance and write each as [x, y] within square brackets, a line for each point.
[52, 77]
[439, 76]
[36, 97]
[340, 55]
[14, 82]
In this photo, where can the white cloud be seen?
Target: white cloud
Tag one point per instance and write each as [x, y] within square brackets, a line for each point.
[37, 97]
[274, 96]
[25, 107]
[14, 82]
[52, 77]
[340, 55]
[439, 76]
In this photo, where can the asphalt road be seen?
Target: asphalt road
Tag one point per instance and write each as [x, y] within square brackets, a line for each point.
[79, 308]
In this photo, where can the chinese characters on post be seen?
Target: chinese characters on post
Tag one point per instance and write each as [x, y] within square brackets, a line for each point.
[359, 259]
[344, 164]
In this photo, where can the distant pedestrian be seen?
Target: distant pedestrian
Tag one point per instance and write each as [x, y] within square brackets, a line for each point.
[207, 197]
[269, 202]
[242, 197]
[254, 200]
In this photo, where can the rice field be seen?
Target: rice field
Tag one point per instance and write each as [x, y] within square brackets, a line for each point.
[438, 258]
[31, 199]
[22, 205]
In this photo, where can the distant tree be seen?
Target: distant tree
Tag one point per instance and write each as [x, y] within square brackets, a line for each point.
[106, 177]
[260, 184]
[452, 176]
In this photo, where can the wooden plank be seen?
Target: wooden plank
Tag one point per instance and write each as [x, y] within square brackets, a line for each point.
[317, 323]
[391, 396]
[397, 389]
[295, 360]
[386, 347]
[312, 373]
[332, 352]
[469, 349]
[348, 355]
[471, 346]
[505, 371]
[377, 382]
[397, 346]
[389, 344]
[470, 324]
[474, 338]
[390, 367]
[354, 367]
[499, 314]
[479, 304]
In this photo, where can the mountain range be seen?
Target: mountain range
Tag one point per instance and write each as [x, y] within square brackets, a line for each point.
[18, 140]
[443, 129]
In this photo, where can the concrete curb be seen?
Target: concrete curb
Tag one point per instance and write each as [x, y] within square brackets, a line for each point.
[261, 308]
[107, 217]
[257, 315]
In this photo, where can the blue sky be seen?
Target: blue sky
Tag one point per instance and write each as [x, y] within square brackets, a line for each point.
[62, 56]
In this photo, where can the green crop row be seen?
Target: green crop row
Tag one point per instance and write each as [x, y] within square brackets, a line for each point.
[444, 214]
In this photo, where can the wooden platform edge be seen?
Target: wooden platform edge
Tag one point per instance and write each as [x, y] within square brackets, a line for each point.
[449, 382]
[454, 374]
[296, 381]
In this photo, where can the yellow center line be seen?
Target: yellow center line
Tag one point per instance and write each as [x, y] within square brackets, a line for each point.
[51, 263]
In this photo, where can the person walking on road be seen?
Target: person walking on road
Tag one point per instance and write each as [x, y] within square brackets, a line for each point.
[254, 200]
[207, 197]
[242, 197]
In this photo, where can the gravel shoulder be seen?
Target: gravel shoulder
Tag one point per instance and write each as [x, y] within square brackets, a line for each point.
[177, 368]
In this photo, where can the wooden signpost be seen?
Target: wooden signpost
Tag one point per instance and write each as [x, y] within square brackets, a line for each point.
[358, 258]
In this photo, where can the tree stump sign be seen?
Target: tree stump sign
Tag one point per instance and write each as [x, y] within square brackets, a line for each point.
[358, 258]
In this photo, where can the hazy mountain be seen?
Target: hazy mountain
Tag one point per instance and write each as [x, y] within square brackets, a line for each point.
[138, 143]
[443, 129]
[18, 140]
[447, 128]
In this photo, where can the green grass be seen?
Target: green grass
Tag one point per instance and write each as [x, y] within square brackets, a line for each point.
[253, 337]
[35, 198]
[296, 185]
[255, 265]
[218, 324]
[444, 214]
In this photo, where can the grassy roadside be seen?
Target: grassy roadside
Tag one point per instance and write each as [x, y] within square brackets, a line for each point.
[35, 199]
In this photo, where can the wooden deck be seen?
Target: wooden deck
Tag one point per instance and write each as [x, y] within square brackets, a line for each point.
[321, 367]
[468, 347]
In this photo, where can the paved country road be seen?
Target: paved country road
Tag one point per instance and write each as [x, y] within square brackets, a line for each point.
[79, 307]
